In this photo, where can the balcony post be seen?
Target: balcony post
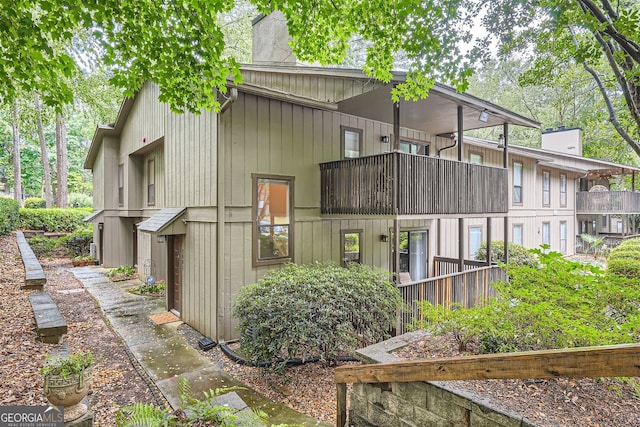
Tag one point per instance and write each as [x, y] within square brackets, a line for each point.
[505, 164]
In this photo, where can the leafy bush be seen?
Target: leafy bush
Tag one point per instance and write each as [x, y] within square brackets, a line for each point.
[518, 254]
[9, 214]
[78, 242]
[52, 220]
[562, 304]
[35, 203]
[121, 273]
[315, 310]
[79, 200]
[624, 260]
[42, 245]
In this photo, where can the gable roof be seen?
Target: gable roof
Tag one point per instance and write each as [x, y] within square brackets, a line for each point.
[352, 92]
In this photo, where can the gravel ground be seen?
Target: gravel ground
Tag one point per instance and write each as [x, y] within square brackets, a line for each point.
[118, 380]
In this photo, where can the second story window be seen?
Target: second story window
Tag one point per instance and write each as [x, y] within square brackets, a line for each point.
[517, 182]
[475, 158]
[546, 188]
[121, 185]
[413, 148]
[351, 142]
[151, 182]
[563, 190]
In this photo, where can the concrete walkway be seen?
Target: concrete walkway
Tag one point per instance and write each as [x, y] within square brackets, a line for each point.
[163, 353]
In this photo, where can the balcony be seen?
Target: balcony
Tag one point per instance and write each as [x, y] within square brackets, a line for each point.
[407, 184]
[607, 202]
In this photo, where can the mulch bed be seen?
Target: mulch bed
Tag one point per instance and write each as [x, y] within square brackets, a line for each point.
[557, 402]
[118, 379]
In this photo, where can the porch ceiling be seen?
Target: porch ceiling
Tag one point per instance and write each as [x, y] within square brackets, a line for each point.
[437, 114]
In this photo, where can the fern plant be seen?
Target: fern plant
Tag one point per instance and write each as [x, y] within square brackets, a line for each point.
[192, 412]
[142, 414]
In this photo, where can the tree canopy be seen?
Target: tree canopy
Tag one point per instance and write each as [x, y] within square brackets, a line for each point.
[180, 45]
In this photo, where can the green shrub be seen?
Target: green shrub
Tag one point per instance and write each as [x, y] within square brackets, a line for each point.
[42, 245]
[121, 271]
[318, 310]
[559, 305]
[35, 203]
[52, 220]
[624, 260]
[625, 253]
[78, 242]
[79, 200]
[9, 215]
[518, 254]
[624, 267]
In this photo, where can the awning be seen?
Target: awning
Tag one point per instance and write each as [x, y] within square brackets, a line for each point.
[93, 216]
[165, 221]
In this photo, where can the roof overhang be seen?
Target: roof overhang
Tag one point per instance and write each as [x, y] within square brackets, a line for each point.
[103, 131]
[165, 221]
[436, 114]
[94, 216]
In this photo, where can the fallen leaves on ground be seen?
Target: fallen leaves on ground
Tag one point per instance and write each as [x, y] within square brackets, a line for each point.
[118, 381]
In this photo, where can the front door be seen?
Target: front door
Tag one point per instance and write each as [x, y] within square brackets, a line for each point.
[174, 285]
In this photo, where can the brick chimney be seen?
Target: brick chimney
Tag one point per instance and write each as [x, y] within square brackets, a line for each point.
[563, 140]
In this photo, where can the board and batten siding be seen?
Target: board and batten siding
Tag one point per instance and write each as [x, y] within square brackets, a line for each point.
[312, 86]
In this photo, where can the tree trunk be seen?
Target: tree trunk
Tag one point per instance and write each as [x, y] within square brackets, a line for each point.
[17, 169]
[48, 197]
[61, 161]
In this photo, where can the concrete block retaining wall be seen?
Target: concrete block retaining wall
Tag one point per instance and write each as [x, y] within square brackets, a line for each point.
[416, 404]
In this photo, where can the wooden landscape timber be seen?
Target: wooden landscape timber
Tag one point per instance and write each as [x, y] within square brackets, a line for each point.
[621, 360]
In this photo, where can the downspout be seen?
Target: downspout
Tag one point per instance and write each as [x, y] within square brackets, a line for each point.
[220, 174]
[455, 144]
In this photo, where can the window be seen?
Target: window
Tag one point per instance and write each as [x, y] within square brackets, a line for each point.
[563, 190]
[413, 148]
[546, 233]
[475, 240]
[151, 182]
[604, 221]
[517, 233]
[475, 158]
[351, 142]
[273, 213]
[121, 185]
[413, 256]
[546, 188]
[351, 247]
[563, 237]
[517, 182]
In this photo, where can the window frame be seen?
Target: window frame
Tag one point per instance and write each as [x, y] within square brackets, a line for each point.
[151, 186]
[422, 148]
[513, 228]
[563, 237]
[343, 241]
[343, 131]
[520, 200]
[563, 190]
[475, 227]
[546, 225]
[546, 188]
[121, 185]
[479, 155]
[256, 261]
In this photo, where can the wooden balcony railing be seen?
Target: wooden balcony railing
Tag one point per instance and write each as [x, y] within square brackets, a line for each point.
[469, 289]
[612, 202]
[407, 184]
